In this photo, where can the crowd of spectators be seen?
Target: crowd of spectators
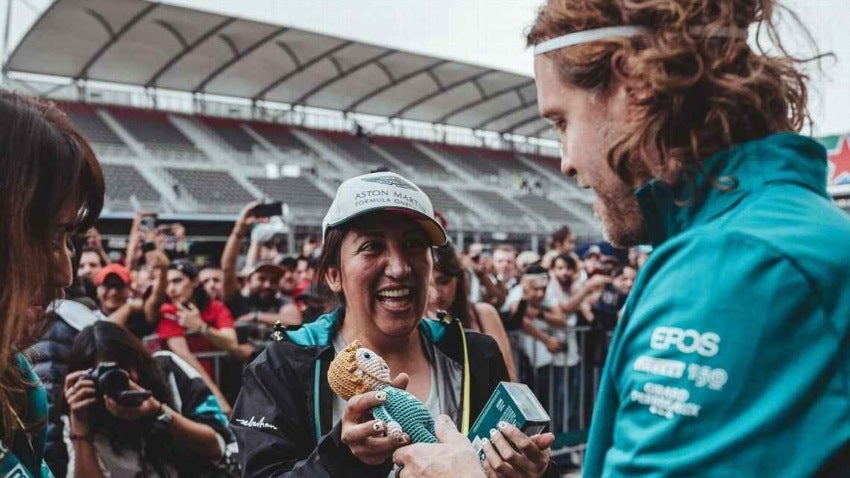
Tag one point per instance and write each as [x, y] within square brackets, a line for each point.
[214, 316]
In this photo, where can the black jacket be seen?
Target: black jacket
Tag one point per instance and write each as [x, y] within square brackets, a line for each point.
[49, 358]
[282, 418]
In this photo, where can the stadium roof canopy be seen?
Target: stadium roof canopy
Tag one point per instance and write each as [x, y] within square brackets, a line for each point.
[149, 44]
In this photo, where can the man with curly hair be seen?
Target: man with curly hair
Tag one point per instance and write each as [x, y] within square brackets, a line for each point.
[732, 347]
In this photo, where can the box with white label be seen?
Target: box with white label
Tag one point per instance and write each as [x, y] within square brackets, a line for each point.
[513, 403]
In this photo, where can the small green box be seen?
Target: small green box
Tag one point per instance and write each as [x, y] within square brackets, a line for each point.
[513, 403]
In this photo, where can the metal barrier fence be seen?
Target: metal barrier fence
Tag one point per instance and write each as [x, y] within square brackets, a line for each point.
[566, 382]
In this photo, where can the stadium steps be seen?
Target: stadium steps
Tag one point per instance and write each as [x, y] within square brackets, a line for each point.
[160, 139]
[204, 139]
[449, 165]
[135, 145]
[327, 153]
[284, 144]
[400, 167]
[168, 189]
[355, 151]
[554, 175]
[509, 214]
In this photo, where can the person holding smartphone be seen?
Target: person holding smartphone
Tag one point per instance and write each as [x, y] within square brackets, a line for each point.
[259, 300]
[178, 430]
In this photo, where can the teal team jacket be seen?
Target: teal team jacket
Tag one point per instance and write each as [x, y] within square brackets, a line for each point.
[24, 458]
[732, 356]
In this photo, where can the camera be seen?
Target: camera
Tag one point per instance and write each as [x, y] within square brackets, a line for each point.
[114, 382]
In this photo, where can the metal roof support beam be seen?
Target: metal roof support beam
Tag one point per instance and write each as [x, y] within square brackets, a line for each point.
[84, 71]
[395, 82]
[386, 70]
[343, 74]
[519, 124]
[174, 32]
[303, 67]
[536, 133]
[482, 100]
[503, 114]
[292, 56]
[203, 84]
[440, 91]
[188, 49]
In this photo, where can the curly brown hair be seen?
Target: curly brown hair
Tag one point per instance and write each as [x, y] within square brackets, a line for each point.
[693, 90]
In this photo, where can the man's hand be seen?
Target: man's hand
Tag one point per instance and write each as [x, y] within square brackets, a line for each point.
[553, 345]
[246, 219]
[596, 283]
[157, 260]
[452, 456]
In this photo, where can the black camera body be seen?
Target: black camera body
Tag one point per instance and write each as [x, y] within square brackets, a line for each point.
[114, 382]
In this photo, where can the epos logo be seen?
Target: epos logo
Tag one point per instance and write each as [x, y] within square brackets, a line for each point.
[687, 341]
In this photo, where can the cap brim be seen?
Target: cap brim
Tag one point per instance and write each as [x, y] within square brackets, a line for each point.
[433, 229]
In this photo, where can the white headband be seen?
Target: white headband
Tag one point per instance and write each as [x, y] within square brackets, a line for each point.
[587, 36]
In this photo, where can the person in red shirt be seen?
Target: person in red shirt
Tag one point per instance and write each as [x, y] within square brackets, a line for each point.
[192, 322]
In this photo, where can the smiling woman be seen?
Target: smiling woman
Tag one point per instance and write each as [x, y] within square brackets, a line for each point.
[52, 186]
[377, 259]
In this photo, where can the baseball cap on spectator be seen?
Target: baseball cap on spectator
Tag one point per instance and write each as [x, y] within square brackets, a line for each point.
[383, 191]
[526, 258]
[265, 266]
[185, 267]
[113, 269]
[593, 250]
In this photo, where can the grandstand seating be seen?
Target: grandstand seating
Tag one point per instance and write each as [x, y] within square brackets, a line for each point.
[86, 119]
[496, 203]
[211, 187]
[298, 193]
[548, 208]
[280, 136]
[124, 182]
[552, 165]
[406, 153]
[354, 149]
[443, 202]
[468, 159]
[159, 136]
[232, 134]
[214, 189]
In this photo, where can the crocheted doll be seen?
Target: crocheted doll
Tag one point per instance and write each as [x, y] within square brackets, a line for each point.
[357, 370]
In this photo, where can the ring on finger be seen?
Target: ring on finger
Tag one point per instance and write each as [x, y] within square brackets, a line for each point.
[398, 471]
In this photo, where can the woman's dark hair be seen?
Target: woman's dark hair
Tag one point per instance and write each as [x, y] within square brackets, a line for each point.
[330, 259]
[105, 341]
[568, 258]
[46, 169]
[446, 262]
[199, 295]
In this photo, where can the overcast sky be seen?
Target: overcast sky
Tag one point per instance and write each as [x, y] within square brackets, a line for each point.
[490, 33]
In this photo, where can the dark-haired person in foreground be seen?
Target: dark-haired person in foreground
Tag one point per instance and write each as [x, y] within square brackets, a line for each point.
[178, 431]
[731, 353]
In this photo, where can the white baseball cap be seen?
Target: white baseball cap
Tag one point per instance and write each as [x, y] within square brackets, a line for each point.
[384, 191]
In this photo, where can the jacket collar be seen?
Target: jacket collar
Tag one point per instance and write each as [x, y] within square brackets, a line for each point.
[779, 158]
[320, 332]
